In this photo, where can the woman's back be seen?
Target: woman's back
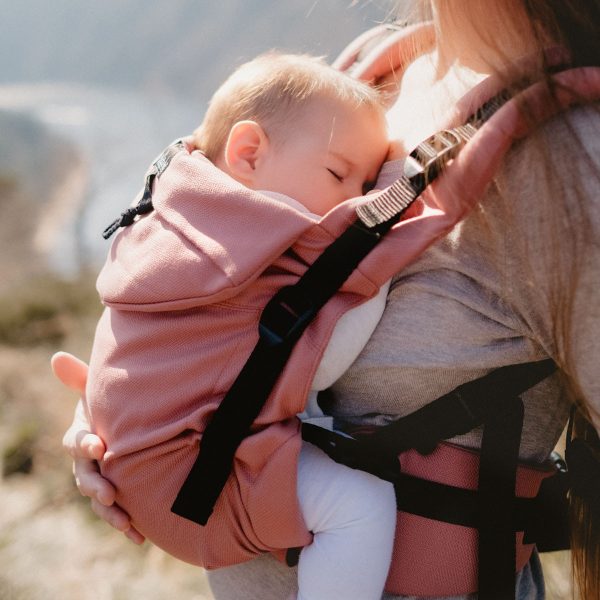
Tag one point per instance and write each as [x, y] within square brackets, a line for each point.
[480, 298]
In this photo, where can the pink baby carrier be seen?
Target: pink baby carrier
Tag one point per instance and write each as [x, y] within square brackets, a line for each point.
[185, 289]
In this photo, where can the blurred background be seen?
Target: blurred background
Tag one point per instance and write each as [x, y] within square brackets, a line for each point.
[90, 92]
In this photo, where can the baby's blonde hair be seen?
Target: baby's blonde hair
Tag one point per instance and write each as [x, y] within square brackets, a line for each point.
[272, 89]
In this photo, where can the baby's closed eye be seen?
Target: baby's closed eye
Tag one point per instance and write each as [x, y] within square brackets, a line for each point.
[339, 177]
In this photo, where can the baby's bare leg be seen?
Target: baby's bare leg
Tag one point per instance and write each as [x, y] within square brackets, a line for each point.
[353, 516]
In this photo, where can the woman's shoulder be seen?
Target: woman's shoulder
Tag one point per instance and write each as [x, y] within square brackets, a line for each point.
[553, 174]
[562, 150]
[547, 210]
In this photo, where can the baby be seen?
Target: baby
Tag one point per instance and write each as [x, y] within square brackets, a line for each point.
[300, 137]
[295, 126]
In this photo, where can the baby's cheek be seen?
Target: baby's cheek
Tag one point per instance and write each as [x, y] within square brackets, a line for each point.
[396, 150]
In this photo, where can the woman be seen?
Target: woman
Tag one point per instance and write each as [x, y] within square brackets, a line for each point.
[516, 281]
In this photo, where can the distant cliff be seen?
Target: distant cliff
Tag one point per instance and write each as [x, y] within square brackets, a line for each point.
[36, 172]
[32, 158]
[137, 74]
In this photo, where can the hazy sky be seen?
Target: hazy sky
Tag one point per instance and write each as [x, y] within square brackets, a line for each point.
[186, 45]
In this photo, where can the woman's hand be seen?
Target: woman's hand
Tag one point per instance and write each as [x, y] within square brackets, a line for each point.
[383, 51]
[87, 448]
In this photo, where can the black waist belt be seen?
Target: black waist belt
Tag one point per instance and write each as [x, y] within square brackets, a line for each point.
[493, 509]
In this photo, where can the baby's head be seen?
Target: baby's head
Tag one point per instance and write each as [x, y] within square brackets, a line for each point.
[294, 125]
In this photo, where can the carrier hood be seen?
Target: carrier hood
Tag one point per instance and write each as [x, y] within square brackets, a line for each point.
[206, 239]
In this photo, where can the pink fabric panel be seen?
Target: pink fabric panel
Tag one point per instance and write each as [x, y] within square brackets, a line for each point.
[432, 558]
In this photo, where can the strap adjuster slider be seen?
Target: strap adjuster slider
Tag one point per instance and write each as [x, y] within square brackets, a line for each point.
[285, 317]
[424, 163]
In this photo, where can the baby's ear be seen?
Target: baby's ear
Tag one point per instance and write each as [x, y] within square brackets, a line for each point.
[246, 143]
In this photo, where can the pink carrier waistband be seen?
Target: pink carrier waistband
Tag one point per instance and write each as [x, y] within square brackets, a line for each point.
[434, 558]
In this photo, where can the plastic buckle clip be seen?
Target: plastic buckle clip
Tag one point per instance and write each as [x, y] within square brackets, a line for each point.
[362, 453]
[424, 163]
[285, 317]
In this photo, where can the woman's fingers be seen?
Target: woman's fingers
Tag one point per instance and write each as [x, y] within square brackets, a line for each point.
[91, 483]
[102, 494]
[134, 535]
[78, 441]
[118, 519]
[394, 51]
[382, 51]
[351, 53]
[88, 445]
[87, 448]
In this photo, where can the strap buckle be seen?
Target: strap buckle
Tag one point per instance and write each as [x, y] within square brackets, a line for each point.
[424, 163]
[354, 452]
[285, 317]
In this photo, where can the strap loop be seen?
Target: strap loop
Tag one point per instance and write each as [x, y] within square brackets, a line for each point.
[127, 217]
[424, 163]
[145, 205]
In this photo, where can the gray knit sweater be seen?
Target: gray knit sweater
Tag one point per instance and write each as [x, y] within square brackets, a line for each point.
[479, 299]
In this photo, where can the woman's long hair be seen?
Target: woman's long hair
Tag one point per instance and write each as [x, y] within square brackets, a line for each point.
[575, 26]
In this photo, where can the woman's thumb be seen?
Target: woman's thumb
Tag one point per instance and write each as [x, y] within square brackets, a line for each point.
[70, 370]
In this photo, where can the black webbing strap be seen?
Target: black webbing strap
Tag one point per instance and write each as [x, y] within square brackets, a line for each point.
[145, 205]
[461, 506]
[467, 406]
[497, 484]
[282, 322]
[547, 519]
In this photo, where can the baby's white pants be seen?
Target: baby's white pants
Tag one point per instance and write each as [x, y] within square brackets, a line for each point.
[352, 515]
